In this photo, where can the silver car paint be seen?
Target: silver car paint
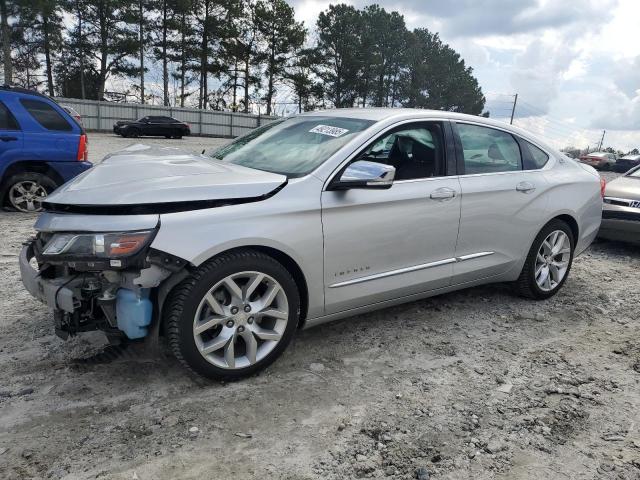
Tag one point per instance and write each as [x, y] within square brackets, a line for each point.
[143, 174]
[409, 233]
[55, 222]
[622, 218]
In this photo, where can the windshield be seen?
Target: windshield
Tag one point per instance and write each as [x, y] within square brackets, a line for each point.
[292, 147]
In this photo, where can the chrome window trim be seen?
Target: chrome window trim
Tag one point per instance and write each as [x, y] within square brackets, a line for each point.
[414, 268]
[512, 172]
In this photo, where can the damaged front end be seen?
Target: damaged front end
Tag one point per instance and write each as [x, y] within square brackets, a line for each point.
[112, 281]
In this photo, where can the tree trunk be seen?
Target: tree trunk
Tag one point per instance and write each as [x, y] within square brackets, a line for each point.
[165, 69]
[235, 85]
[104, 51]
[247, 61]
[81, 52]
[204, 46]
[47, 52]
[6, 43]
[183, 60]
[141, 40]
[272, 61]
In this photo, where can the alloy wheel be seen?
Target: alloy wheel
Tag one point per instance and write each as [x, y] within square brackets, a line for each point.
[27, 196]
[241, 320]
[552, 260]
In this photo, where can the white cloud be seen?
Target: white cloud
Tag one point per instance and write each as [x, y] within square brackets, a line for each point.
[574, 62]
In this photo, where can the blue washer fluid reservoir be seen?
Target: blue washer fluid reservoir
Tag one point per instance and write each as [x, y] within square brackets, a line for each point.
[133, 312]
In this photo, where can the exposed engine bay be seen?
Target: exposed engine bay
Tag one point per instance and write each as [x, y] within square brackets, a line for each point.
[119, 296]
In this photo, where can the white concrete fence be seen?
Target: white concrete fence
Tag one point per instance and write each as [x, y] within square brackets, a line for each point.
[100, 116]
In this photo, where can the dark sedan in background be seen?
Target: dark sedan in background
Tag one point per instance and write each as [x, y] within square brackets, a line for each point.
[621, 208]
[152, 126]
[627, 163]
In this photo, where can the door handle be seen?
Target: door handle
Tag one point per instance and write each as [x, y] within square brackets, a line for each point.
[5, 138]
[442, 194]
[525, 187]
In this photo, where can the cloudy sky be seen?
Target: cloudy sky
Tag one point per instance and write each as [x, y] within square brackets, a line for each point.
[575, 64]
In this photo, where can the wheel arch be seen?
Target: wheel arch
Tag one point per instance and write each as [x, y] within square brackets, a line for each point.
[27, 166]
[572, 222]
[287, 261]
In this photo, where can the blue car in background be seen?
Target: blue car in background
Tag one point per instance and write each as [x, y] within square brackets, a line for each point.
[41, 147]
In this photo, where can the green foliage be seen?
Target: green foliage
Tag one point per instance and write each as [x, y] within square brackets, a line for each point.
[236, 52]
[436, 77]
[339, 53]
[281, 37]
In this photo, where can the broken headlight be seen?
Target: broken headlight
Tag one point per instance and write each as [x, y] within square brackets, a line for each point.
[111, 245]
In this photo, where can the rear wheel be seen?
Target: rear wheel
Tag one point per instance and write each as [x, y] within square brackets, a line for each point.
[27, 191]
[233, 316]
[548, 262]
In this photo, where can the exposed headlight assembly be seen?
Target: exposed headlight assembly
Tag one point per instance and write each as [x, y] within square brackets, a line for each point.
[113, 245]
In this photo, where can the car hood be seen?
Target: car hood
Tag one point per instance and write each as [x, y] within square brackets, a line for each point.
[624, 187]
[147, 175]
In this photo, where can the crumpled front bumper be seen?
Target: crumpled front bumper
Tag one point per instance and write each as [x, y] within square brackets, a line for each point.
[51, 292]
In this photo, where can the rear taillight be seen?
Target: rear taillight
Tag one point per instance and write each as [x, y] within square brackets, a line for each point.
[603, 186]
[83, 151]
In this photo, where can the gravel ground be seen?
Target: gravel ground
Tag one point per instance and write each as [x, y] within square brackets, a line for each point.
[102, 143]
[475, 384]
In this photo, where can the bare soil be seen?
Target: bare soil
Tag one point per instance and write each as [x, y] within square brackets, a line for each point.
[475, 384]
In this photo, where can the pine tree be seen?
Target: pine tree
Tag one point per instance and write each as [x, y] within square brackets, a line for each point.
[338, 49]
[281, 36]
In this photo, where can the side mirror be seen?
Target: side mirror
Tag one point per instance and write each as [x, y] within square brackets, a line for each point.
[365, 174]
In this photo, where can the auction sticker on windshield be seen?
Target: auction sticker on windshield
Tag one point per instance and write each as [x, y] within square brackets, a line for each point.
[329, 130]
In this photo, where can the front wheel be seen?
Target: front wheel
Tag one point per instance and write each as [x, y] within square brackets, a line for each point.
[233, 316]
[548, 262]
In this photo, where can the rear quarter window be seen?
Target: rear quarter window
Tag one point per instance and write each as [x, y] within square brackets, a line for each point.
[536, 158]
[46, 115]
[7, 121]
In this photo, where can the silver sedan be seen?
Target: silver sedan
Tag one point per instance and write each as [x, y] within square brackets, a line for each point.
[303, 221]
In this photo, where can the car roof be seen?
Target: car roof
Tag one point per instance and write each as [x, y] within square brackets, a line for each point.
[386, 114]
[25, 91]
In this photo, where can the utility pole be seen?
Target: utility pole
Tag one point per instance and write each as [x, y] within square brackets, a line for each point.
[601, 140]
[513, 110]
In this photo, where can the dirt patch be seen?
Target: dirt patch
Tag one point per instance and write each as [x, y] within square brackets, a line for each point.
[474, 384]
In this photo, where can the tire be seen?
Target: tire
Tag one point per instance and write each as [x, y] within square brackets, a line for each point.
[32, 187]
[133, 133]
[528, 284]
[189, 306]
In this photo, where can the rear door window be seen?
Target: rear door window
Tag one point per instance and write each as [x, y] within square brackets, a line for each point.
[487, 150]
[7, 120]
[47, 116]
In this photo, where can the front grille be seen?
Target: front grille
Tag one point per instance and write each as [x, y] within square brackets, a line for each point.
[622, 202]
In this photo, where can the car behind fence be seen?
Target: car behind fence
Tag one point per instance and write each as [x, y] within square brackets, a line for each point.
[100, 116]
